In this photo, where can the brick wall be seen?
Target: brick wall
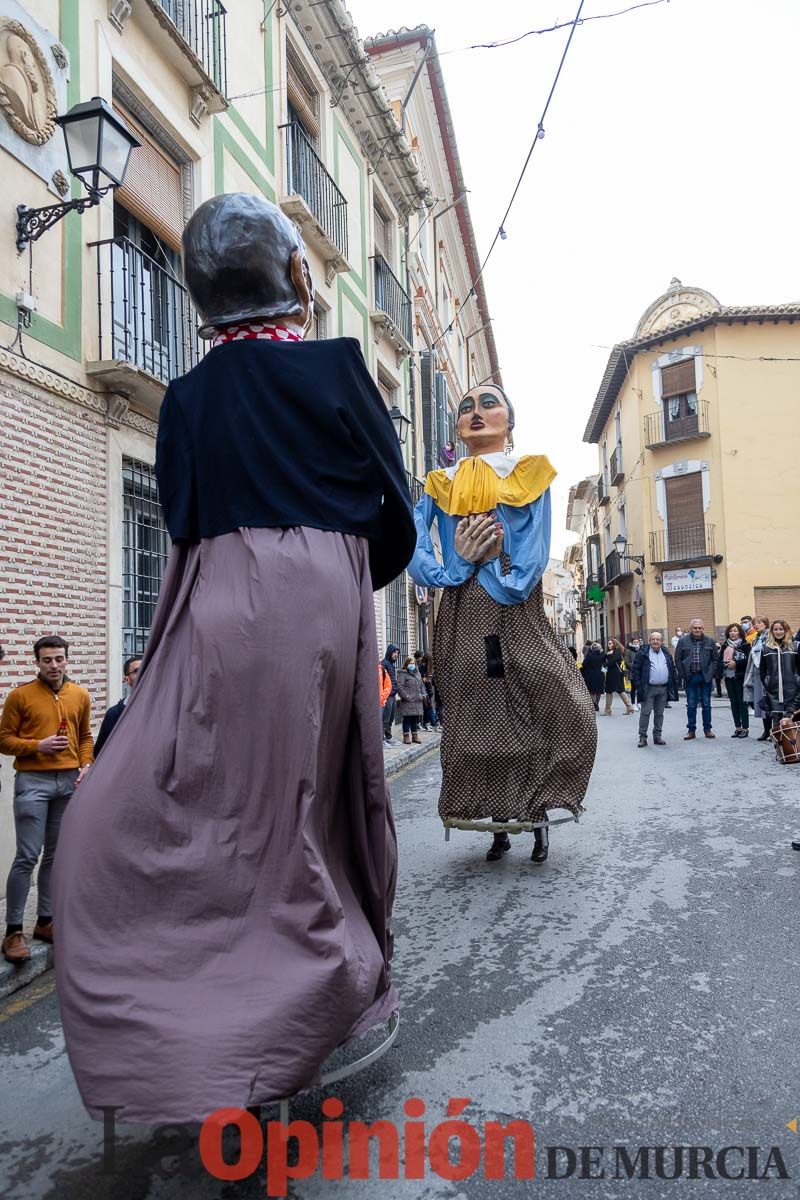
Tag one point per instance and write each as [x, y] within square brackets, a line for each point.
[53, 533]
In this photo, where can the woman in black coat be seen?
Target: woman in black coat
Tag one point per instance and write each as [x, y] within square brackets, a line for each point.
[614, 685]
[592, 672]
[778, 669]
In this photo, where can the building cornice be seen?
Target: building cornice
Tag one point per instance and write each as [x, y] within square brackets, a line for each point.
[623, 354]
[422, 36]
[109, 405]
[331, 37]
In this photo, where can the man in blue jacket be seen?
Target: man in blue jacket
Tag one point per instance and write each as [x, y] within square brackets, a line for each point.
[656, 681]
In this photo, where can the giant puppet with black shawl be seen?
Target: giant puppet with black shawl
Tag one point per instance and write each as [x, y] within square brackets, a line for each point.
[225, 873]
[519, 731]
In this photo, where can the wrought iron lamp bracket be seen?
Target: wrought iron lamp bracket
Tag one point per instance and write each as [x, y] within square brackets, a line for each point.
[33, 222]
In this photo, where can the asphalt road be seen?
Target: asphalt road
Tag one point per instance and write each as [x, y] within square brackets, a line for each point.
[639, 989]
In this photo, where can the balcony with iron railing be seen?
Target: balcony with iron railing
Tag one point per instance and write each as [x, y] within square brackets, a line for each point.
[146, 323]
[391, 314]
[616, 472]
[415, 486]
[681, 544]
[616, 568]
[191, 35]
[314, 201]
[603, 494]
[661, 430]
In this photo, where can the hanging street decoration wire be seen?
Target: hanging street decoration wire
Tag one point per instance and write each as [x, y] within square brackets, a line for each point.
[501, 234]
[552, 28]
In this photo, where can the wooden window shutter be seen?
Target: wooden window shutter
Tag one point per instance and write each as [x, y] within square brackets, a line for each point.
[683, 607]
[685, 500]
[778, 603]
[152, 191]
[301, 93]
[678, 378]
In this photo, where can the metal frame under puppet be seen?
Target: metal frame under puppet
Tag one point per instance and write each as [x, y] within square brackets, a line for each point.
[226, 871]
[519, 732]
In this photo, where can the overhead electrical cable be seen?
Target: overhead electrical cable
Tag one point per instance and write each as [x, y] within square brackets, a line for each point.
[501, 233]
[552, 28]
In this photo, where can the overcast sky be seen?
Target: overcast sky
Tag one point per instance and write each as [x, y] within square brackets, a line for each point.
[670, 150]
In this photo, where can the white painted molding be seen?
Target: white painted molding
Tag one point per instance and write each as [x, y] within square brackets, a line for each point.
[685, 467]
[672, 357]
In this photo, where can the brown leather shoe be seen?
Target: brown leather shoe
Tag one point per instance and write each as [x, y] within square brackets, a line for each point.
[708, 733]
[16, 948]
[689, 737]
[659, 742]
[43, 932]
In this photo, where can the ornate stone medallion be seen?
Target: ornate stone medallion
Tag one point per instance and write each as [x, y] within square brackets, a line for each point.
[27, 91]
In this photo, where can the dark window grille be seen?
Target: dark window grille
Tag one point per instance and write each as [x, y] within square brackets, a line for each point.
[144, 312]
[306, 176]
[681, 418]
[320, 323]
[145, 549]
[396, 624]
[391, 297]
[201, 24]
[681, 543]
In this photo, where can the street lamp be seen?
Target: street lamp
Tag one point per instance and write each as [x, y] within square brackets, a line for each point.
[621, 543]
[401, 424]
[99, 146]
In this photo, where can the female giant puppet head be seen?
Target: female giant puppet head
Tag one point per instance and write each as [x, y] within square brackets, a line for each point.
[244, 261]
[486, 420]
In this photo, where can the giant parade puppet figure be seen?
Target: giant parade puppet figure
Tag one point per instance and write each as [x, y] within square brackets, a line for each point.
[519, 730]
[226, 871]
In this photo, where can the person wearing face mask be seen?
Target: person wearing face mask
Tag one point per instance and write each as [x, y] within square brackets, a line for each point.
[749, 631]
[411, 705]
[520, 734]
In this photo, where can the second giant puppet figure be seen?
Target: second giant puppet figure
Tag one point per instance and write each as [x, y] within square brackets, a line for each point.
[226, 871]
[519, 732]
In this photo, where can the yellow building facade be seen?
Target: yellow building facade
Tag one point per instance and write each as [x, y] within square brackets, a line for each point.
[695, 504]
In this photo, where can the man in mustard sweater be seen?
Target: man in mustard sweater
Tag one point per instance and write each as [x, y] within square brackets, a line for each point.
[46, 725]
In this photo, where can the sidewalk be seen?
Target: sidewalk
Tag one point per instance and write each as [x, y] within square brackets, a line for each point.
[11, 978]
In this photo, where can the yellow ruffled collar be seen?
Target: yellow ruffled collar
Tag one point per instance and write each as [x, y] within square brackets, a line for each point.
[476, 486]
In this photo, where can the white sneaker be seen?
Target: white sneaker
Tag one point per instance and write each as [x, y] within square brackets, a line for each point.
[638, 707]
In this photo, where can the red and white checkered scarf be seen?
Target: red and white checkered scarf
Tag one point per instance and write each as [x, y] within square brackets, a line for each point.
[254, 329]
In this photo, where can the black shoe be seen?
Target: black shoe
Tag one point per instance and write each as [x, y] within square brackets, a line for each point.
[642, 742]
[500, 846]
[765, 737]
[541, 845]
[796, 845]
[737, 733]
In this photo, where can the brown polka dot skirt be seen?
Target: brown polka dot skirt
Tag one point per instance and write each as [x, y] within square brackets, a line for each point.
[519, 731]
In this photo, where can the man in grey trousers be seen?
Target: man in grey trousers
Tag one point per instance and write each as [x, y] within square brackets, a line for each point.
[656, 682]
[46, 725]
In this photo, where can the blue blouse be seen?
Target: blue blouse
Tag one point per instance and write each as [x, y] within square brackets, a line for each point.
[526, 540]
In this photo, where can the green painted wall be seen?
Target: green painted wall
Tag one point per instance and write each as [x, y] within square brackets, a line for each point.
[66, 337]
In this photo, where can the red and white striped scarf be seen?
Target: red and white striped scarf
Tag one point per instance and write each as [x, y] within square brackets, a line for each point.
[254, 329]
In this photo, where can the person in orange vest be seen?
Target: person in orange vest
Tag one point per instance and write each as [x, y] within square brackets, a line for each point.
[384, 684]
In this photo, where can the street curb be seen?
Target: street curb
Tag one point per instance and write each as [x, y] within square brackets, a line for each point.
[13, 978]
[409, 755]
